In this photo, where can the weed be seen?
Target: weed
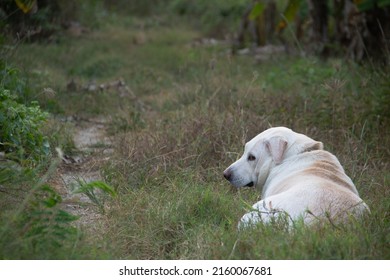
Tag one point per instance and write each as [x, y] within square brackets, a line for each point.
[90, 189]
[37, 227]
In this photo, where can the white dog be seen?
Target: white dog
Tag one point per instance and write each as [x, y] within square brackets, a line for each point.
[297, 177]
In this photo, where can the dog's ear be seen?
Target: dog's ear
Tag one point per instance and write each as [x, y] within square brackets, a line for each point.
[315, 145]
[303, 144]
[276, 146]
[312, 146]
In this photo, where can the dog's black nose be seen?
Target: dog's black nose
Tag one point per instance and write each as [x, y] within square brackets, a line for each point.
[227, 174]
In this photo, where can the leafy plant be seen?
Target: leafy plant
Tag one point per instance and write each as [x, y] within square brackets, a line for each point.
[257, 10]
[20, 137]
[91, 190]
[38, 228]
[46, 222]
[289, 14]
[20, 120]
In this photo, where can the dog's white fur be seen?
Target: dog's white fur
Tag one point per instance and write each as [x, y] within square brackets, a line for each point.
[297, 177]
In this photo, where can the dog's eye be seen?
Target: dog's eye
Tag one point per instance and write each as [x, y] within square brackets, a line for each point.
[251, 158]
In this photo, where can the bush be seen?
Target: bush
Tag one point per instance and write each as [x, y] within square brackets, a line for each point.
[20, 137]
[20, 120]
[32, 223]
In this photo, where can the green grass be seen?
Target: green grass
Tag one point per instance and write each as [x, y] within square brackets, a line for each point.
[196, 106]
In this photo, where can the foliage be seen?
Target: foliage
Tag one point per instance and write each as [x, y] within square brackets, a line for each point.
[38, 228]
[10, 79]
[33, 224]
[257, 10]
[356, 29]
[91, 189]
[289, 14]
[366, 5]
[20, 125]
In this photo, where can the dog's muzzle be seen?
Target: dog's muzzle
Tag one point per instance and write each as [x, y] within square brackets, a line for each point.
[229, 176]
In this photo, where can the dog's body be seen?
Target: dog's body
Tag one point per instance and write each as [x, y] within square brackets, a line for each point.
[297, 178]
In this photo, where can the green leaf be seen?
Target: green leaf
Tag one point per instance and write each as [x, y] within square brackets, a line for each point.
[52, 198]
[65, 217]
[88, 187]
[289, 13]
[256, 11]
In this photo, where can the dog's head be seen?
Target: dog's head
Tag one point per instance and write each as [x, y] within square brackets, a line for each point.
[267, 150]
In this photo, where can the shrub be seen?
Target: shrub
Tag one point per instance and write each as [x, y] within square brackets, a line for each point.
[20, 137]
[32, 223]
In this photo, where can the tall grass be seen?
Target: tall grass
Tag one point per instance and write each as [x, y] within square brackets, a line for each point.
[199, 106]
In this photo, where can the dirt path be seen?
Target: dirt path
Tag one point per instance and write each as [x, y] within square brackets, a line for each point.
[93, 146]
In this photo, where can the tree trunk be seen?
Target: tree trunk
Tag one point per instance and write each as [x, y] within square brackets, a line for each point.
[318, 11]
